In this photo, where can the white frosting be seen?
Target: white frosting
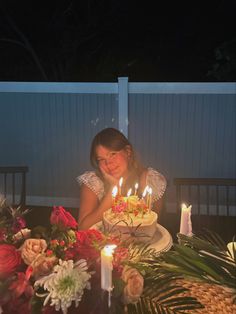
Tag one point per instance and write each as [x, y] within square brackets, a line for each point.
[142, 228]
[131, 219]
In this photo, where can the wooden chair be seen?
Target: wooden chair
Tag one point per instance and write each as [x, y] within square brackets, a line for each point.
[213, 202]
[13, 185]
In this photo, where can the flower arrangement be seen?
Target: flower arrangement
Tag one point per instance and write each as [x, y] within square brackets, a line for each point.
[129, 205]
[58, 270]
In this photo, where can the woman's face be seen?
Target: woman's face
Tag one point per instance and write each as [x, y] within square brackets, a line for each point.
[115, 163]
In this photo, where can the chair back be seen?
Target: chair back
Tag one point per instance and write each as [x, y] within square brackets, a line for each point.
[210, 196]
[13, 185]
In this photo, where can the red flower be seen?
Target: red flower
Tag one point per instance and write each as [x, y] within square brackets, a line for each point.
[19, 306]
[87, 244]
[120, 255]
[22, 284]
[62, 218]
[88, 237]
[10, 259]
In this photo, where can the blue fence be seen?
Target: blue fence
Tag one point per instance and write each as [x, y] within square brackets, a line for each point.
[183, 130]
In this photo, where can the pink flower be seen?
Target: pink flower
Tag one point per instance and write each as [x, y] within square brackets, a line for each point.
[9, 261]
[62, 218]
[18, 224]
[134, 285]
[120, 207]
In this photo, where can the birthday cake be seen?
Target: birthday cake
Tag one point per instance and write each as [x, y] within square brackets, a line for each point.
[131, 217]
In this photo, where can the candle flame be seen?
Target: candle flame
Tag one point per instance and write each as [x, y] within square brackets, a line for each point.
[136, 186]
[114, 191]
[145, 191]
[109, 249]
[185, 207]
[129, 192]
[120, 181]
[150, 190]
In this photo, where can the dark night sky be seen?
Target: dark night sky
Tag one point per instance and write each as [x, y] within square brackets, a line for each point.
[99, 40]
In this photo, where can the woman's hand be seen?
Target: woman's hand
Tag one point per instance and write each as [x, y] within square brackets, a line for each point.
[109, 178]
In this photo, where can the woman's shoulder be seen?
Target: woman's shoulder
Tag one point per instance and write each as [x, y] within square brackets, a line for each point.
[92, 181]
[156, 181]
[88, 176]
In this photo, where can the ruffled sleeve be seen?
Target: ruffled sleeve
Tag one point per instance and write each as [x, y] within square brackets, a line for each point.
[157, 182]
[93, 182]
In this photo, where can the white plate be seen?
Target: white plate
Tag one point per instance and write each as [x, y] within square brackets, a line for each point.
[161, 242]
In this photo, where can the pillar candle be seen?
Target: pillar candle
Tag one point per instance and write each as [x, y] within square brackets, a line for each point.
[185, 222]
[106, 267]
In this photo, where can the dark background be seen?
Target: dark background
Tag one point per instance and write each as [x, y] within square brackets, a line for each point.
[99, 40]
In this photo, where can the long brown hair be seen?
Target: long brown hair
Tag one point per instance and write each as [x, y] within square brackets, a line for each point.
[114, 140]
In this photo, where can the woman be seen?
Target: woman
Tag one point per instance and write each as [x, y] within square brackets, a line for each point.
[113, 157]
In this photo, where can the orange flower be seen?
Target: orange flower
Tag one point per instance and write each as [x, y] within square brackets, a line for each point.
[43, 265]
[31, 248]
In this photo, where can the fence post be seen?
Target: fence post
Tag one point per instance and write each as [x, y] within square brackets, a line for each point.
[123, 105]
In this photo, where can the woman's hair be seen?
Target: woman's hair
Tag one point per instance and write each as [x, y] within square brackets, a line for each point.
[114, 140]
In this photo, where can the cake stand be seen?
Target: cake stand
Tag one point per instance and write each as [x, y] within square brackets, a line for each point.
[161, 241]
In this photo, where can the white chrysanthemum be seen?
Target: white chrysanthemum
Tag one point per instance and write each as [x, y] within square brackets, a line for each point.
[65, 284]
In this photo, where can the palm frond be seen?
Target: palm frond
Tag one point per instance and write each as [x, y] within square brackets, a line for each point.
[164, 299]
[212, 237]
[201, 259]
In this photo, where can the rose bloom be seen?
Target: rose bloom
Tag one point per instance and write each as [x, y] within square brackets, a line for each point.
[62, 218]
[9, 261]
[87, 237]
[134, 285]
[87, 240]
[31, 248]
[86, 245]
[43, 265]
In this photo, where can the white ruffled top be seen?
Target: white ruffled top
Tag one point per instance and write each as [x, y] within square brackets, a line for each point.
[154, 179]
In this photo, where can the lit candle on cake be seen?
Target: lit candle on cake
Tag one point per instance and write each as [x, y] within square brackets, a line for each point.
[120, 185]
[128, 195]
[185, 221]
[145, 192]
[149, 198]
[106, 267]
[114, 191]
[135, 188]
[129, 192]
